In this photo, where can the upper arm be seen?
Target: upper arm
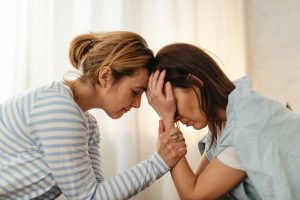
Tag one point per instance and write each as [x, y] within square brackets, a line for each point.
[60, 129]
[95, 155]
[216, 179]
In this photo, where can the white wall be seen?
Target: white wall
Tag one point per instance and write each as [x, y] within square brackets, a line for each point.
[273, 30]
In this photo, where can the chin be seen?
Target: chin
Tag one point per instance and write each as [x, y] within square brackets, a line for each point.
[199, 126]
[115, 115]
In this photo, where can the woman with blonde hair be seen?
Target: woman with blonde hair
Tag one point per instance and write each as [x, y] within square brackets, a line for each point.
[49, 142]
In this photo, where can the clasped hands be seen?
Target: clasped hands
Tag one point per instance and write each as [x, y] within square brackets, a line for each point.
[170, 144]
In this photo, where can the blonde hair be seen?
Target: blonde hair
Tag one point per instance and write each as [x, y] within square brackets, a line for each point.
[124, 52]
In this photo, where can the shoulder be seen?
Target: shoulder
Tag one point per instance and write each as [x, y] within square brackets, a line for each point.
[249, 109]
[56, 100]
[55, 93]
[55, 89]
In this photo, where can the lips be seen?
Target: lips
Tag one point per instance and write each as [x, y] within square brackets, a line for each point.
[123, 110]
[189, 123]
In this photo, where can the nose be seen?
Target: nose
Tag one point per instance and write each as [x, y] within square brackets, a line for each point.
[183, 120]
[136, 103]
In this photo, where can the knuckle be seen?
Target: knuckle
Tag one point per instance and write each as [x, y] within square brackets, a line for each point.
[174, 155]
[165, 141]
[175, 130]
[185, 152]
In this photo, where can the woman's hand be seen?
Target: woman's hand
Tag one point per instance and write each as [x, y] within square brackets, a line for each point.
[161, 98]
[170, 145]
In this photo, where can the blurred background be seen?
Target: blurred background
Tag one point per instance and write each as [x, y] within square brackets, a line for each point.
[259, 38]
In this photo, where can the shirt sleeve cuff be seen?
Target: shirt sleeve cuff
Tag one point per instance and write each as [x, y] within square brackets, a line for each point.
[159, 163]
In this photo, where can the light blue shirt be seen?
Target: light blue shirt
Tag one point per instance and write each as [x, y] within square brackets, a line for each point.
[266, 137]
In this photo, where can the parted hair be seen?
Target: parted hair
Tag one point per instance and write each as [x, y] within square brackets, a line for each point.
[124, 52]
[188, 66]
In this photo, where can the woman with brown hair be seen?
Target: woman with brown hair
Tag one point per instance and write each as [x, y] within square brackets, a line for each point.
[252, 148]
[49, 142]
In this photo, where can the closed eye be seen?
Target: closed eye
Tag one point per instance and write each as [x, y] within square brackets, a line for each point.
[176, 116]
[135, 93]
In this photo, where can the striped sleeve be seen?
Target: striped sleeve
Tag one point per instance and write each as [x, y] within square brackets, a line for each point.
[61, 130]
[130, 182]
[94, 151]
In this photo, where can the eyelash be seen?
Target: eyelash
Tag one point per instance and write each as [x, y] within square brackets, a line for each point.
[134, 93]
[176, 114]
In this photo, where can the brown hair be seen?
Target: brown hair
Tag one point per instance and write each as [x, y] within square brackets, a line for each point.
[189, 66]
[124, 52]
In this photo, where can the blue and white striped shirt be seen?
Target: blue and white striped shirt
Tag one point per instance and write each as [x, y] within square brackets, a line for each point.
[48, 146]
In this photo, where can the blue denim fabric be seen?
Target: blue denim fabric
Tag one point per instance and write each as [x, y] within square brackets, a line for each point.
[266, 137]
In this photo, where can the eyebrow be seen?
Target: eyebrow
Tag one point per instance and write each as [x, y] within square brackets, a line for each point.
[142, 88]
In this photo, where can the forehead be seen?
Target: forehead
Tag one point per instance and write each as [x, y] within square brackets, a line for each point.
[140, 78]
[183, 93]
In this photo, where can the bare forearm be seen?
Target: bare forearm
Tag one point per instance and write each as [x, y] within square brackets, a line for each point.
[183, 178]
[214, 181]
[168, 121]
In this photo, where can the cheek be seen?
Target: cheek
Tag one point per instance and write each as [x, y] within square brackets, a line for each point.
[202, 119]
[187, 113]
[200, 125]
[116, 102]
[188, 104]
[191, 112]
[124, 98]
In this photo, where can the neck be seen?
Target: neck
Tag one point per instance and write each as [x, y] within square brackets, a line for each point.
[81, 94]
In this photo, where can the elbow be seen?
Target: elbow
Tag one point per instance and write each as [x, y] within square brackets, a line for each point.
[195, 198]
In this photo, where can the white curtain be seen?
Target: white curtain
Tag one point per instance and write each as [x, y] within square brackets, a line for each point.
[34, 51]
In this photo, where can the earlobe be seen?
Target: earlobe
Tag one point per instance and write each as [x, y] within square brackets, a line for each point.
[105, 76]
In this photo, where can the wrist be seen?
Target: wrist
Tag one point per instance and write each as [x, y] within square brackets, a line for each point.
[160, 162]
[168, 122]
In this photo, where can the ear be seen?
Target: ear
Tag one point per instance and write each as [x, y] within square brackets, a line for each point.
[195, 78]
[105, 76]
